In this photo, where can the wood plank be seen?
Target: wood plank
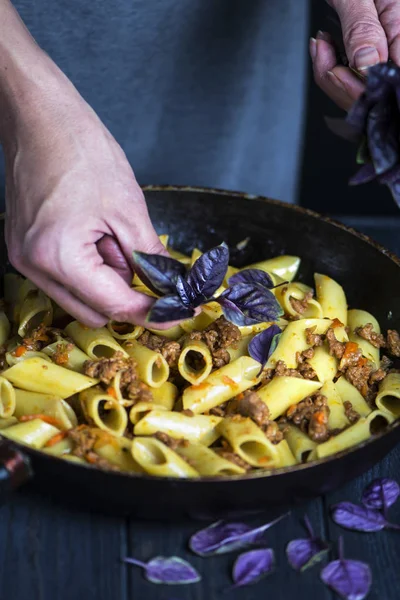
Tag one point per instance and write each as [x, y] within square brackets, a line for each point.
[146, 540]
[51, 553]
[380, 550]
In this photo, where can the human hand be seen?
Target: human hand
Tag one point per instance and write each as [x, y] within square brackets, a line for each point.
[371, 34]
[74, 211]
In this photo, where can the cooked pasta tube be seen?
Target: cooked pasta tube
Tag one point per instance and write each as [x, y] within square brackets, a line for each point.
[74, 459]
[143, 289]
[351, 394]
[165, 395]
[388, 398]
[298, 291]
[140, 409]
[240, 349]
[104, 411]
[118, 452]
[293, 340]
[152, 367]
[222, 385]
[173, 333]
[4, 423]
[284, 266]
[33, 403]
[282, 392]
[96, 342]
[195, 361]
[35, 309]
[251, 444]
[199, 322]
[60, 448]
[199, 428]
[164, 239]
[39, 375]
[24, 288]
[33, 433]
[299, 443]
[183, 258]
[196, 253]
[7, 399]
[337, 418]
[156, 458]
[331, 297]
[359, 318]
[207, 462]
[20, 353]
[324, 364]
[124, 331]
[353, 435]
[66, 355]
[5, 328]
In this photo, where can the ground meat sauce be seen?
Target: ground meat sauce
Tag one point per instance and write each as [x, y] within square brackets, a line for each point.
[227, 452]
[336, 348]
[106, 369]
[61, 355]
[367, 333]
[300, 306]
[169, 349]
[350, 412]
[249, 404]
[393, 342]
[218, 336]
[281, 370]
[313, 339]
[311, 416]
[273, 432]
[40, 337]
[170, 441]
[86, 439]
[303, 367]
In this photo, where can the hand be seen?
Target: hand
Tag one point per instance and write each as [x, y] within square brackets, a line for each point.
[74, 209]
[371, 34]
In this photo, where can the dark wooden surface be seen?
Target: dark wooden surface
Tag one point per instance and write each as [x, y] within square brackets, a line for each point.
[48, 552]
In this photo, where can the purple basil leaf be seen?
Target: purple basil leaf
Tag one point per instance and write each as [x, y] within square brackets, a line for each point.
[158, 272]
[255, 302]
[233, 314]
[169, 308]
[251, 566]
[306, 552]
[351, 579]
[358, 518]
[222, 537]
[381, 494]
[252, 276]
[382, 132]
[263, 344]
[170, 570]
[207, 274]
[184, 291]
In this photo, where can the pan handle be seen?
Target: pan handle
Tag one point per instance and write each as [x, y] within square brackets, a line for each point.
[15, 468]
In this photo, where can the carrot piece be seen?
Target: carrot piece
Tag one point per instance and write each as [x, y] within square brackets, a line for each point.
[46, 418]
[20, 351]
[362, 361]
[336, 323]
[350, 348]
[319, 417]
[56, 438]
[111, 392]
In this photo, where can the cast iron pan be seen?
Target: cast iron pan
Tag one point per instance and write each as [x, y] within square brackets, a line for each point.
[200, 217]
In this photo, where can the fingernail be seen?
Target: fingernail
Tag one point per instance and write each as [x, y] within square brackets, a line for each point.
[313, 48]
[336, 81]
[365, 58]
[321, 35]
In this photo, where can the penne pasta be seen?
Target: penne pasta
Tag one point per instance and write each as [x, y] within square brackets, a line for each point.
[337, 417]
[222, 385]
[19, 354]
[388, 398]
[324, 364]
[241, 349]
[35, 309]
[251, 444]
[183, 258]
[156, 458]
[119, 453]
[104, 411]
[199, 428]
[282, 392]
[96, 343]
[66, 355]
[140, 410]
[152, 367]
[165, 395]
[195, 361]
[7, 399]
[124, 331]
[198, 323]
[300, 444]
[60, 449]
[33, 433]
[359, 318]
[33, 403]
[7, 422]
[284, 266]
[351, 394]
[331, 297]
[173, 333]
[297, 291]
[207, 462]
[39, 375]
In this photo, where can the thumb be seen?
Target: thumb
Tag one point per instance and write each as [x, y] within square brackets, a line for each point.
[363, 35]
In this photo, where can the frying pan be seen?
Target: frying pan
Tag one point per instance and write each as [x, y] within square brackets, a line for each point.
[203, 218]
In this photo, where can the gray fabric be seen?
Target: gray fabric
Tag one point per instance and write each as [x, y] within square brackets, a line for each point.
[197, 92]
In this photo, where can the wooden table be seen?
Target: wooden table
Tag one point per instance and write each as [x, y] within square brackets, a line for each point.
[50, 553]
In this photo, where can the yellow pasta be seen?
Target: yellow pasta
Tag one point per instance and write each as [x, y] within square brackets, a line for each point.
[152, 366]
[195, 361]
[165, 395]
[324, 364]
[35, 309]
[251, 444]
[298, 291]
[351, 394]
[140, 410]
[199, 322]
[119, 453]
[282, 392]
[300, 444]
[32, 403]
[94, 342]
[124, 331]
[156, 458]
[33, 433]
[173, 333]
[207, 462]
[359, 318]
[240, 349]
[7, 422]
[179, 256]
[65, 446]
[104, 411]
[7, 399]
[221, 385]
[199, 428]
[284, 266]
[388, 398]
[69, 355]
[331, 297]
[13, 358]
[38, 375]
[337, 417]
